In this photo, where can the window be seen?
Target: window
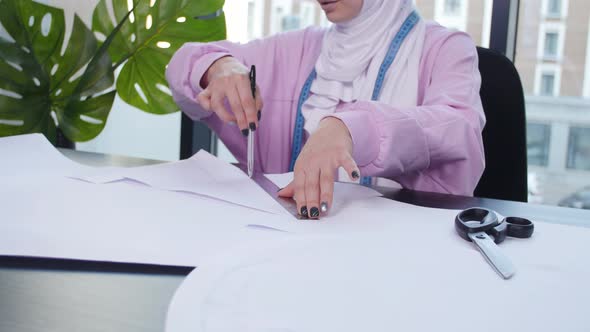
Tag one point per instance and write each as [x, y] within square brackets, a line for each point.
[308, 14]
[538, 139]
[452, 7]
[547, 84]
[578, 152]
[551, 44]
[277, 22]
[555, 66]
[279, 10]
[453, 14]
[291, 22]
[547, 80]
[552, 37]
[554, 8]
[251, 19]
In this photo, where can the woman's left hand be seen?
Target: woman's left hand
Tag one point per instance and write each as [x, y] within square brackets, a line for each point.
[327, 149]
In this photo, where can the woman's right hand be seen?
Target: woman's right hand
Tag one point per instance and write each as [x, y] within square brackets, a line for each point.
[228, 78]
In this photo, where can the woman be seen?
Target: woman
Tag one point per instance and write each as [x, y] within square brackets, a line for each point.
[381, 93]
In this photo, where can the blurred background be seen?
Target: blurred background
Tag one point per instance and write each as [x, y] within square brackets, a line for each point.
[551, 47]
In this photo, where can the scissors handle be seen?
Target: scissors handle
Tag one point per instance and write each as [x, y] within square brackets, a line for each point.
[475, 220]
[519, 227]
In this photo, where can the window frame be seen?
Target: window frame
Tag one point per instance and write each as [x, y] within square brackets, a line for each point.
[456, 11]
[551, 27]
[548, 15]
[504, 29]
[307, 5]
[287, 5]
[570, 157]
[260, 6]
[457, 21]
[552, 52]
[542, 69]
[547, 149]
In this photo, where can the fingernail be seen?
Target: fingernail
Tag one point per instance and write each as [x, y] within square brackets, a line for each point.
[314, 212]
[324, 207]
[252, 126]
[355, 174]
[245, 132]
[259, 115]
[304, 211]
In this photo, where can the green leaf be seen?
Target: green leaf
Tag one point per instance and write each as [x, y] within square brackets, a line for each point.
[142, 44]
[83, 119]
[42, 86]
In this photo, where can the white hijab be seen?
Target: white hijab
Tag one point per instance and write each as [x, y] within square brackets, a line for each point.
[352, 53]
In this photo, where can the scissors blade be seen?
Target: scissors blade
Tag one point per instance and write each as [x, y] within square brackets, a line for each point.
[492, 253]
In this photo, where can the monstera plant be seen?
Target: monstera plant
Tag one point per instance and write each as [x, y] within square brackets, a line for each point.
[54, 87]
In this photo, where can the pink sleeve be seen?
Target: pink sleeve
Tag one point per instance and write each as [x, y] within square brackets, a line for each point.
[278, 60]
[184, 74]
[436, 146]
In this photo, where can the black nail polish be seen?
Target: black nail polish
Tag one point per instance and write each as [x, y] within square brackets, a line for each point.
[314, 212]
[259, 115]
[324, 207]
[355, 174]
[304, 211]
[252, 126]
[245, 132]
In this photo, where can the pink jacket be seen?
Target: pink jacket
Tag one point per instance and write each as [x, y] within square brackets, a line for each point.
[436, 146]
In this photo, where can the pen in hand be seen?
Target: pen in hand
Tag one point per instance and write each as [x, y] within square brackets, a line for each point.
[251, 136]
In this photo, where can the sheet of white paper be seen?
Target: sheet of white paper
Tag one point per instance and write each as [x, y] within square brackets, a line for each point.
[416, 275]
[346, 210]
[64, 218]
[201, 174]
[33, 155]
[49, 215]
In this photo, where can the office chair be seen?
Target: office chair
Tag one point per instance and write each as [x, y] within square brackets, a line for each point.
[504, 136]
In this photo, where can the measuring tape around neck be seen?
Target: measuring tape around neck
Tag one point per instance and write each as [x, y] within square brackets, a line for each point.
[392, 52]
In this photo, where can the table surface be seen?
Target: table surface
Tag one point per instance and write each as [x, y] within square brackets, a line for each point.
[68, 295]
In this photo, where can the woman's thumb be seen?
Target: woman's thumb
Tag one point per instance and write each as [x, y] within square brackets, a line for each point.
[288, 191]
[204, 99]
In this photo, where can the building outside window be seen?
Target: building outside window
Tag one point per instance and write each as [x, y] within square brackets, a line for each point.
[547, 84]
[279, 10]
[251, 18]
[538, 140]
[308, 14]
[578, 156]
[453, 7]
[554, 8]
[551, 45]
[291, 22]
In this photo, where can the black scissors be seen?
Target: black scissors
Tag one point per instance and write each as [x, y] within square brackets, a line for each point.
[484, 228]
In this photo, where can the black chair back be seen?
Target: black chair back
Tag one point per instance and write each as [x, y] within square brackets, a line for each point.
[504, 136]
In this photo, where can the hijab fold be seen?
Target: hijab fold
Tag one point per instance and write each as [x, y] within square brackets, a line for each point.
[352, 53]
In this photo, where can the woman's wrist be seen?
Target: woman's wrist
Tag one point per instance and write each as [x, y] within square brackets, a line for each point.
[339, 127]
[214, 69]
